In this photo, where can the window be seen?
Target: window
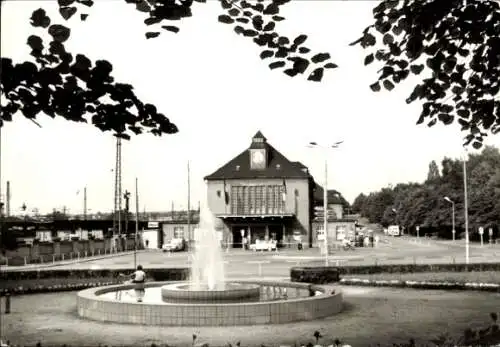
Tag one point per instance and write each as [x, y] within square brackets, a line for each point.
[178, 232]
[257, 200]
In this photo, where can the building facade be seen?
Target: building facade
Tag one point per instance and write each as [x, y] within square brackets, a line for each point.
[261, 195]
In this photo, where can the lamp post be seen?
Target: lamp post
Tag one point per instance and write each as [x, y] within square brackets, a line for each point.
[452, 215]
[466, 212]
[325, 192]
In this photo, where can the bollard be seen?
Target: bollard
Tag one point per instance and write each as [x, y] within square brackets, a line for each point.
[376, 261]
[25, 261]
[53, 258]
[7, 303]
[99, 251]
[92, 252]
[85, 254]
[78, 255]
[71, 256]
[453, 260]
[41, 259]
[62, 256]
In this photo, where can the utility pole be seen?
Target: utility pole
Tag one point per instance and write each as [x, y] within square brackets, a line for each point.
[189, 202]
[85, 203]
[126, 196]
[136, 222]
[8, 200]
[117, 227]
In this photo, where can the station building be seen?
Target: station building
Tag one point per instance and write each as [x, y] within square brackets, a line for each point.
[260, 194]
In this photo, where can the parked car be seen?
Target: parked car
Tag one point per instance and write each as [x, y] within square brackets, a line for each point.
[263, 245]
[174, 245]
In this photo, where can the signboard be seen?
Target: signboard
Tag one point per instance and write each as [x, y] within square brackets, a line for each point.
[153, 225]
[481, 230]
[490, 231]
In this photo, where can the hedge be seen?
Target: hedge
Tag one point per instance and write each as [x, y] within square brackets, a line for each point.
[488, 287]
[92, 278]
[328, 273]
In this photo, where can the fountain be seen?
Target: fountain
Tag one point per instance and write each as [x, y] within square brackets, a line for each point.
[207, 299]
[207, 267]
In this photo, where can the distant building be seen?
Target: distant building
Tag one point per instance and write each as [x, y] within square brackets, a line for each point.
[260, 194]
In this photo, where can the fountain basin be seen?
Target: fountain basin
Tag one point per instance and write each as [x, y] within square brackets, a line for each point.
[92, 304]
[232, 292]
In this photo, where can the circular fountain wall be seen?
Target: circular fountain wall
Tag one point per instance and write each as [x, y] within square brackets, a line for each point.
[101, 304]
[182, 292]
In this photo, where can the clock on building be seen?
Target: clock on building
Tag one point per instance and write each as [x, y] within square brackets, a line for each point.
[258, 157]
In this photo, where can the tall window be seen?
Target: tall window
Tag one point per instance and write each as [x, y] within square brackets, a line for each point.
[257, 200]
[178, 232]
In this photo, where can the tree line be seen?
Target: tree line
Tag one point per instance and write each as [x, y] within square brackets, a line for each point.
[429, 204]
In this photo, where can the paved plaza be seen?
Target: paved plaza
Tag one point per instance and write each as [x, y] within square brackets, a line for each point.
[238, 262]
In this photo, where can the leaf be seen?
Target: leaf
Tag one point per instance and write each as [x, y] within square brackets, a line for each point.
[266, 54]
[388, 85]
[416, 69]
[330, 66]
[269, 26]
[388, 39]
[272, 8]
[243, 20]
[432, 122]
[354, 43]
[35, 42]
[234, 12]
[369, 59]
[250, 33]
[59, 32]
[64, 3]
[277, 64]
[282, 40]
[463, 113]
[67, 12]
[151, 34]
[320, 57]
[171, 28]
[316, 75]
[83, 16]
[224, 18]
[446, 118]
[239, 29]
[304, 50]
[88, 3]
[143, 6]
[375, 87]
[152, 20]
[300, 39]
[300, 64]
[278, 18]
[40, 19]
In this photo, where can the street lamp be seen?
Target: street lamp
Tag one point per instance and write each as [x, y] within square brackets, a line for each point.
[325, 191]
[466, 212]
[452, 215]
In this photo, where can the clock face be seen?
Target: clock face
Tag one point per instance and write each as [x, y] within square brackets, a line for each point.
[258, 157]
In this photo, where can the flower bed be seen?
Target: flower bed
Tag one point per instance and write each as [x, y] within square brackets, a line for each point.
[490, 287]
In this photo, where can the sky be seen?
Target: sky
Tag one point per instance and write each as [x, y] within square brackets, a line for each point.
[212, 84]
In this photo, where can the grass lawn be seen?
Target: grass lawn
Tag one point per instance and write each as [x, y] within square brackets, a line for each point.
[370, 316]
[478, 277]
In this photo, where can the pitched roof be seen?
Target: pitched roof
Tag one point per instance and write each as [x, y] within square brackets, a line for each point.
[278, 166]
[333, 196]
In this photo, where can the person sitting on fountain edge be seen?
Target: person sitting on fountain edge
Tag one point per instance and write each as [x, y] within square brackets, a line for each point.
[138, 278]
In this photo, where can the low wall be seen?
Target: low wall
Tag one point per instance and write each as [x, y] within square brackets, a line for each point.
[90, 305]
[46, 252]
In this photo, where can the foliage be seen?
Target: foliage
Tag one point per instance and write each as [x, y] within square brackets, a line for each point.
[423, 204]
[71, 86]
[458, 43]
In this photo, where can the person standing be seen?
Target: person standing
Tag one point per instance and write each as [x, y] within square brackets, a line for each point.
[138, 279]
